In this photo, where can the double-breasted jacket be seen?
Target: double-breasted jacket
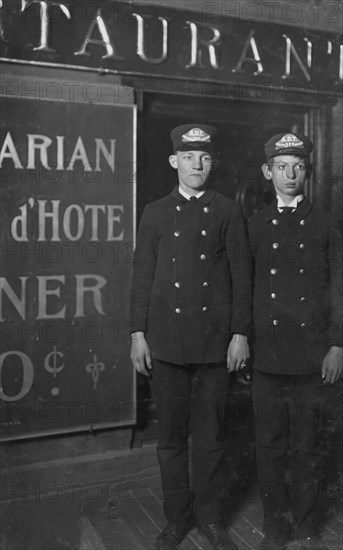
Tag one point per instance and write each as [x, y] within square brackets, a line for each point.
[191, 277]
[298, 294]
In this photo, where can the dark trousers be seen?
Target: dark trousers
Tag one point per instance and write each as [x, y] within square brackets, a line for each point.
[192, 399]
[288, 412]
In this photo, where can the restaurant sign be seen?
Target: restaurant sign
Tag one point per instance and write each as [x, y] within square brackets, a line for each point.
[127, 39]
[67, 237]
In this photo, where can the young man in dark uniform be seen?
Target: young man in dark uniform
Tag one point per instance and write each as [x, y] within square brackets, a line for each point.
[298, 318]
[190, 313]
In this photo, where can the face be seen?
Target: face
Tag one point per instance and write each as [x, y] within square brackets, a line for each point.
[288, 173]
[193, 168]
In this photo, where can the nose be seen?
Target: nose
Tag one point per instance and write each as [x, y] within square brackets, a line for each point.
[197, 163]
[290, 172]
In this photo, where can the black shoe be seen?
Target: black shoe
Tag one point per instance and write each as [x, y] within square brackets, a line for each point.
[312, 543]
[272, 542]
[173, 534]
[217, 536]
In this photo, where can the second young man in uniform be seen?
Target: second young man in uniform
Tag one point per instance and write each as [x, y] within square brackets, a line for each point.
[298, 317]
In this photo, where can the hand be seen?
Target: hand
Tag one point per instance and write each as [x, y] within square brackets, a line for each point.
[332, 366]
[140, 353]
[237, 353]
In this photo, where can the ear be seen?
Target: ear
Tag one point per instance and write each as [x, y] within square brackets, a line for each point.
[173, 161]
[266, 171]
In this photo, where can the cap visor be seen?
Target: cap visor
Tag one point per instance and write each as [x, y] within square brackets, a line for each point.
[289, 151]
[195, 146]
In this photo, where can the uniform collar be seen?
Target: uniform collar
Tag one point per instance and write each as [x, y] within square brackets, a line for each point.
[302, 210]
[205, 198]
[293, 204]
[188, 197]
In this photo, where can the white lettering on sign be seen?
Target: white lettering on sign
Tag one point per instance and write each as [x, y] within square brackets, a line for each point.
[291, 50]
[98, 25]
[141, 42]
[9, 151]
[53, 221]
[82, 288]
[256, 59]
[45, 291]
[198, 44]
[51, 154]
[18, 302]
[37, 142]
[44, 12]
[27, 379]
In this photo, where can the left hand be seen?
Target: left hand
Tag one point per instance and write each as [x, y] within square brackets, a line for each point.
[332, 366]
[237, 353]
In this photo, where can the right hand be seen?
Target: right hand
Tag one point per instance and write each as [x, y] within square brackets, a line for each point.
[140, 353]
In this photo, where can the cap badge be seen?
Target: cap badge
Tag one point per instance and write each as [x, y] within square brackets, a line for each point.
[196, 134]
[288, 140]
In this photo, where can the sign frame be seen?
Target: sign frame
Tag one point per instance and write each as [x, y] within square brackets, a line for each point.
[113, 95]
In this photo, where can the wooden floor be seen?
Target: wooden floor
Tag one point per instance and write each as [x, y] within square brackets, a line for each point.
[134, 519]
[137, 513]
[111, 500]
[123, 511]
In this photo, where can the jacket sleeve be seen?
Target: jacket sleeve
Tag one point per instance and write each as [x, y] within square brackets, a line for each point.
[239, 257]
[144, 265]
[335, 258]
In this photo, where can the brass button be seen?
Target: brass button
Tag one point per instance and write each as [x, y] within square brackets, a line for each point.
[273, 271]
[173, 260]
[204, 233]
[205, 283]
[303, 325]
[177, 234]
[203, 257]
[273, 295]
[302, 271]
[205, 308]
[177, 285]
[178, 208]
[302, 222]
[275, 322]
[178, 310]
[303, 299]
[275, 245]
[302, 246]
[275, 221]
[206, 210]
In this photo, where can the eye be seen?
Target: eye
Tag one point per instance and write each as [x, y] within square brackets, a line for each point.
[281, 166]
[207, 159]
[300, 167]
